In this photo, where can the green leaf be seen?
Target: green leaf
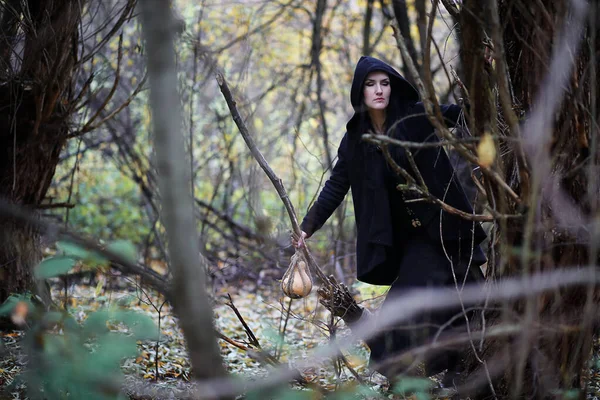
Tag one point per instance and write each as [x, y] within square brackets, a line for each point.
[8, 305]
[54, 266]
[54, 347]
[70, 324]
[96, 323]
[368, 392]
[73, 250]
[141, 325]
[112, 348]
[409, 385]
[273, 337]
[52, 317]
[570, 394]
[125, 249]
[77, 252]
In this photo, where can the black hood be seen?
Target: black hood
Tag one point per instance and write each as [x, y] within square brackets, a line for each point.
[400, 86]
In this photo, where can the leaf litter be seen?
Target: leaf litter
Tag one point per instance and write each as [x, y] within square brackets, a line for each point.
[264, 309]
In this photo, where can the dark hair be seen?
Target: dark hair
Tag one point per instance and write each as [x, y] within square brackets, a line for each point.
[395, 110]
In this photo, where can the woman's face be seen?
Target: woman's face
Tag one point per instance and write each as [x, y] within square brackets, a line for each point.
[377, 90]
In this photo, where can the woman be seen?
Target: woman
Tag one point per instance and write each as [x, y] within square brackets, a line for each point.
[404, 244]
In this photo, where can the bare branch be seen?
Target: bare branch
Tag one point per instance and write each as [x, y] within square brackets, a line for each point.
[421, 188]
[435, 116]
[506, 94]
[275, 180]
[89, 127]
[113, 89]
[410, 57]
[451, 7]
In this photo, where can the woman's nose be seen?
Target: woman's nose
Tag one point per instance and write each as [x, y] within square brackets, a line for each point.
[378, 89]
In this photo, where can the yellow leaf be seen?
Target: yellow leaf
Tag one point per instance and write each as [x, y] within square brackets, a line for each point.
[355, 361]
[99, 287]
[486, 150]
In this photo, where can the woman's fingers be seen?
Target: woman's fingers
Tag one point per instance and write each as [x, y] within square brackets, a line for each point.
[302, 242]
[298, 242]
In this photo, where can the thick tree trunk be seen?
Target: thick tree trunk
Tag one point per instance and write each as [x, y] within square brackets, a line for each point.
[34, 112]
[19, 251]
[473, 22]
[550, 355]
[190, 300]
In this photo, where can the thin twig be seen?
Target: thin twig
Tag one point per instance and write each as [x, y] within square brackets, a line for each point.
[260, 355]
[413, 165]
[249, 333]
[418, 145]
[283, 329]
[113, 89]
[112, 114]
[358, 378]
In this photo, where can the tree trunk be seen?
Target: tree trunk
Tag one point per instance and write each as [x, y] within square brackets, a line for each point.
[401, 13]
[19, 251]
[34, 108]
[472, 21]
[551, 354]
[190, 300]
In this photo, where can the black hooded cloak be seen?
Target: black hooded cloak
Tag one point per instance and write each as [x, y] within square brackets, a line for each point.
[383, 218]
[407, 244]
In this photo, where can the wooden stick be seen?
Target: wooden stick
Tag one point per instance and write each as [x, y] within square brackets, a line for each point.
[275, 180]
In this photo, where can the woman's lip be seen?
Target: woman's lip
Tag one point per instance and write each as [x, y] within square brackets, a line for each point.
[379, 99]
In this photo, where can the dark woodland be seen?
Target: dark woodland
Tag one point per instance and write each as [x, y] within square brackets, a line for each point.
[131, 140]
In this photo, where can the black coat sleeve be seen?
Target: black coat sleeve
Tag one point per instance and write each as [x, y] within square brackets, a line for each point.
[451, 114]
[331, 195]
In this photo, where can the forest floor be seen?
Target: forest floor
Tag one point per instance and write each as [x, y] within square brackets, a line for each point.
[290, 338]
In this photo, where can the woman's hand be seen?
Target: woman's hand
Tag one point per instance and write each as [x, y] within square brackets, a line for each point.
[299, 242]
